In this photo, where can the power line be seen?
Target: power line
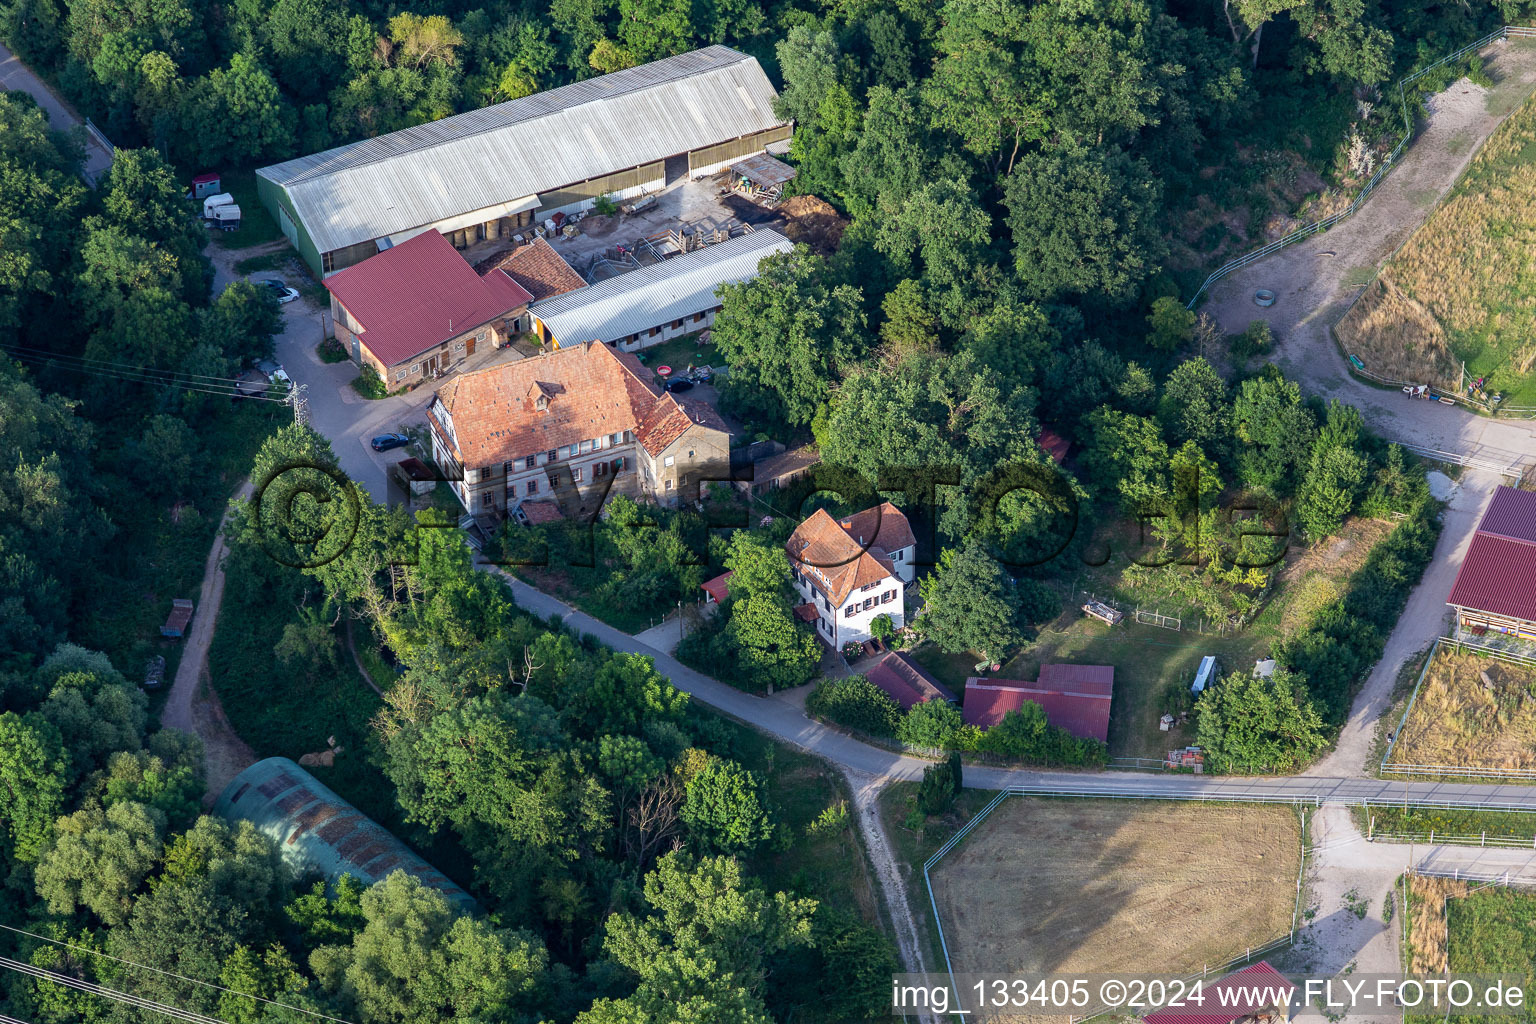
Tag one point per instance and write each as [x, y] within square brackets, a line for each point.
[110, 363]
[146, 376]
[168, 974]
[99, 990]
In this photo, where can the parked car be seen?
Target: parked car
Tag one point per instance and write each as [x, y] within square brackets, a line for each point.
[679, 386]
[274, 372]
[384, 442]
[284, 293]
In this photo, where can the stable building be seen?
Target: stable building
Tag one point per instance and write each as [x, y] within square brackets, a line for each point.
[573, 426]
[1074, 697]
[505, 169]
[664, 300]
[1495, 589]
[418, 310]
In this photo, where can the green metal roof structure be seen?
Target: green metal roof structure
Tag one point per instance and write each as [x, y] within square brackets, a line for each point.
[318, 831]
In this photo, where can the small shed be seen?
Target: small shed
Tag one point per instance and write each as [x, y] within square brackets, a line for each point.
[1205, 675]
[761, 177]
[1103, 612]
[176, 622]
[205, 185]
[717, 589]
[1264, 668]
[415, 475]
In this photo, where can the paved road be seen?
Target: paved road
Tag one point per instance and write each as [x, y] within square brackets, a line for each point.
[17, 77]
[782, 717]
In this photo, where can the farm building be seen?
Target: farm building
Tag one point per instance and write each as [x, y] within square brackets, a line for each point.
[717, 590]
[853, 569]
[317, 831]
[1074, 697]
[541, 271]
[418, 310]
[1494, 590]
[906, 682]
[661, 301]
[505, 169]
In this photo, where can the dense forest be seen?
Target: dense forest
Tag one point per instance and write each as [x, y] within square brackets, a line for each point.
[1031, 190]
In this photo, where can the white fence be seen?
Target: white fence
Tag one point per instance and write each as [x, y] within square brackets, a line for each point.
[1158, 619]
[1316, 227]
[1510, 471]
[1433, 838]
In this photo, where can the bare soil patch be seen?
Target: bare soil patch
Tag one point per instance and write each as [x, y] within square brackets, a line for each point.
[1104, 886]
[1471, 711]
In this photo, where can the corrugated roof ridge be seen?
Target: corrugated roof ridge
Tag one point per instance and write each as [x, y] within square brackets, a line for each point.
[533, 102]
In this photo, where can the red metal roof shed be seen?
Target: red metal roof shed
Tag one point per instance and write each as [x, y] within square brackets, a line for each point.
[1234, 997]
[905, 681]
[1074, 697]
[718, 588]
[1499, 572]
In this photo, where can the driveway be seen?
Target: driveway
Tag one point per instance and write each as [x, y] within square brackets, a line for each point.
[17, 77]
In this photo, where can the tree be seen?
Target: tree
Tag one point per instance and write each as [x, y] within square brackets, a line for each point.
[1170, 323]
[855, 702]
[758, 568]
[808, 61]
[774, 651]
[623, 695]
[1128, 458]
[941, 784]
[701, 912]
[253, 121]
[1253, 725]
[881, 627]
[970, 605]
[892, 155]
[99, 859]
[724, 808]
[1082, 221]
[944, 226]
[1274, 432]
[33, 770]
[94, 719]
[417, 962]
[1194, 406]
[1336, 473]
[653, 29]
[787, 336]
[41, 190]
[934, 724]
[167, 777]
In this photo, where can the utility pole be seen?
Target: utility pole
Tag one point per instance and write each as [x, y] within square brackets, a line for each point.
[298, 398]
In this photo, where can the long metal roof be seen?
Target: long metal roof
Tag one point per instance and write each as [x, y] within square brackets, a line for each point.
[652, 296]
[316, 830]
[482, 158]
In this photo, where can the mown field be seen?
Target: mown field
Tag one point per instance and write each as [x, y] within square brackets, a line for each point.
[1464, 286]
[1453, 927]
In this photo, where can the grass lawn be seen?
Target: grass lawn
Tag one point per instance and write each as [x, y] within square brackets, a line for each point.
[1448, 821]
[678, 353]
[1105, 878]
[1471, 711]
[1462, 289]
[1488, 931]
[256, 224]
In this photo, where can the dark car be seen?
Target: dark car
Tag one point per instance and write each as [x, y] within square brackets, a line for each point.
[679, 386]
[384, 442]
[280, 291]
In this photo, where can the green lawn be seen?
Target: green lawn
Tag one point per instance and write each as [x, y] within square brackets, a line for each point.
[678, 353]
[1492, 931]
[256, 224]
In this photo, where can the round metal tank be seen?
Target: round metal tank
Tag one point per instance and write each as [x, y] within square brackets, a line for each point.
[317, 831]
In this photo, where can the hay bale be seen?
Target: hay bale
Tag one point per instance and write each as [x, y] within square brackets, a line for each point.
[1397, 337]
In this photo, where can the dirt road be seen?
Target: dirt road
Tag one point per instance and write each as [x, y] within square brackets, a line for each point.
[193, 706]
[1316, 280]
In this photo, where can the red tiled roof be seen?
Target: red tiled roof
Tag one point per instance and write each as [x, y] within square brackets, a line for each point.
[1074, 697]
[541, 512]
[1232, 998]
[835, 561]
[717, 588]
[806, 612]
[540, 270]
[590, 391]
[1497, 574]
[419, 294]
[1055, 445]
[669, 418]
[905, 681]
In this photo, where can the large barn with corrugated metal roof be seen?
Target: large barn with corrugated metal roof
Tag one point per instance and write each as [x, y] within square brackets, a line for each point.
[486, 173]
[1495, 589]
[317, 832]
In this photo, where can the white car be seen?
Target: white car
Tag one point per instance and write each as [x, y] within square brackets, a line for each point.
[274, 372]
[284, 293]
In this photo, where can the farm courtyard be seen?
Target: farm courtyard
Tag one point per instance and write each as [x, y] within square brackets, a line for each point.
[1103, 886]
[1471, 712]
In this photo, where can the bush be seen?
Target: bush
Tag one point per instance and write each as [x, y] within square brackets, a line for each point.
[855, 703]
[369, 384]
[882, 628]
[1025, 735]
[935, 724]
[1255, 341]
[604, 206]
[724, 807]
[332, 351]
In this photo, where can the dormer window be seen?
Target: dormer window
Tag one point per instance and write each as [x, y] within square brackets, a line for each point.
[541, 403]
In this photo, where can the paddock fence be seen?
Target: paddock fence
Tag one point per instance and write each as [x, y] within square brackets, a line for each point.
[1319, 226]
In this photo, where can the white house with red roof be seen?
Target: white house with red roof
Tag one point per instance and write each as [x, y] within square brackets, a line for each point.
[417, 309]
[573, 425]
[1495, 589]
[853, 569]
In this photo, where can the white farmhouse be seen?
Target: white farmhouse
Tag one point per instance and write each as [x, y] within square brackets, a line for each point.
[852, 569]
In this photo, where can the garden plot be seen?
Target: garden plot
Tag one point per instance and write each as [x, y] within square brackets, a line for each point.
[1101, 886]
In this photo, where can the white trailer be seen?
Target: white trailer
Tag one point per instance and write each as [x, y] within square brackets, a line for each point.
[214, 202]
[227, 218]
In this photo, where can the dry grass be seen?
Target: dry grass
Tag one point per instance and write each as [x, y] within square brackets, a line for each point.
[1466, 279]
[1108, 885]
[1397, 337]
[1319, 575]
[1427, 952]
[1459, 720]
